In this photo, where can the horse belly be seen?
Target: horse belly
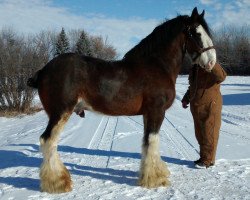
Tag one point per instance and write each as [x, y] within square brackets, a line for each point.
[128, 107]
[113, 107]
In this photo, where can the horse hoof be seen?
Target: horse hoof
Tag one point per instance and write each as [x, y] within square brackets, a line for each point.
[153, 183]
[56, 183]
[153, 176]
[155, 179]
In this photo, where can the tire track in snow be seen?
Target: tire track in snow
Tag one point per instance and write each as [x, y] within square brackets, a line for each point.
[163, 138]
[185, 148]
[180, 134]
[177, 143]
[235, 135]
[80, 132]
[108, 134]
[21, 130]
[66, 134]
[102, 140]
[133, 122]
[94, 143]
[95, 153]
[111, 138]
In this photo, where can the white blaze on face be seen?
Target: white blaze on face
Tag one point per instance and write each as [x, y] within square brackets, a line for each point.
[208, 56]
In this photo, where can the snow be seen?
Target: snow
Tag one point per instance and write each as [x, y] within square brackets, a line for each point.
[103, 153]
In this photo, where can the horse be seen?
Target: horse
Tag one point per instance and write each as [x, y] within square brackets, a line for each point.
[141, 83]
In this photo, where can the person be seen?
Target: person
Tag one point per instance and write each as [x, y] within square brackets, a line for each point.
[205, 101]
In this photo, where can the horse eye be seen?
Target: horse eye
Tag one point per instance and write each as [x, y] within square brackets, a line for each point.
[192, 32]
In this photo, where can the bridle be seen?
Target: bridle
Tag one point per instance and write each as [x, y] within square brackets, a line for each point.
[197, 49]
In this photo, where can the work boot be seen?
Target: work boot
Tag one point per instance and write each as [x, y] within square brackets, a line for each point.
[202, 165]
[197, 161]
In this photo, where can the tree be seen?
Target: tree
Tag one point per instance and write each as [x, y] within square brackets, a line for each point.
[233, 47]
[83, 45]
[45, 42]
[62, 43]
[101, 49]
[19, 59]
[21, 56]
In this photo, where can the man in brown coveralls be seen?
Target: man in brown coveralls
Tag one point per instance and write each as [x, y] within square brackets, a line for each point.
[205, 101]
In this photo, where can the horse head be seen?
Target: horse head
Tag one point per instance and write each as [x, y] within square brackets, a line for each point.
[199, 44]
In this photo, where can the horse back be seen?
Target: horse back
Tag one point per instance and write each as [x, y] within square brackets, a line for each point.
[109, 87]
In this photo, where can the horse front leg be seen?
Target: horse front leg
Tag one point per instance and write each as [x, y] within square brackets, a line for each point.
[153, 170]
[54, 176]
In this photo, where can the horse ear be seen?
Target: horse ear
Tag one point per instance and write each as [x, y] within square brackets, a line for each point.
[202, 14]
[194, 14]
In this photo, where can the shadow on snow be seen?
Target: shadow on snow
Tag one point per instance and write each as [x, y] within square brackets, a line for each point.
[9, 159]
[236, 99]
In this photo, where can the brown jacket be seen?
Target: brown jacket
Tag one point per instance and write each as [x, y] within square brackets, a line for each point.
[204, 86]
[205, 99]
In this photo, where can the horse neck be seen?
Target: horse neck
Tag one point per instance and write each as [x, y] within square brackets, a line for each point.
[173, 55]
[170, 57]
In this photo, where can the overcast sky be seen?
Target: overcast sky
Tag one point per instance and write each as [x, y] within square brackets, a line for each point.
[124, 22]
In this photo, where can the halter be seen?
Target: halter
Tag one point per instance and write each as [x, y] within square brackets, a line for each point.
[198, 50]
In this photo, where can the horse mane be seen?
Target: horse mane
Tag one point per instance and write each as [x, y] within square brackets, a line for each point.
[161, 36]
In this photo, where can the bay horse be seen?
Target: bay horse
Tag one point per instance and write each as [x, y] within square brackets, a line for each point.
[141, 83]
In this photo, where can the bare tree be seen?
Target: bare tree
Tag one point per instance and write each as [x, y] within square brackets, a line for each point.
[45, 43]
[19, 59]
[101, 49]
[233, 49]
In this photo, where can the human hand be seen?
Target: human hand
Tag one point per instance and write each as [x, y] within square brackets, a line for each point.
[184, 104]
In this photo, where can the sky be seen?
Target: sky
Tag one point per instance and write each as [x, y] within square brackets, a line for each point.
[123, 22]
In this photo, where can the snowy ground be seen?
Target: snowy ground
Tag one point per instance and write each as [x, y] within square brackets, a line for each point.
[103, 153]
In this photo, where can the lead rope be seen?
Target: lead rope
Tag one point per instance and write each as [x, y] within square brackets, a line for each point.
[196, 83]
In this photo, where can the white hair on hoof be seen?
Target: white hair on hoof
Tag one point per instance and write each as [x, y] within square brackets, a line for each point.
[54, 176]
[153, 170]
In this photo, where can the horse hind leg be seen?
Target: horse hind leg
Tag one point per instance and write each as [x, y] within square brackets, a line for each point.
[54, 176]
[153, 170]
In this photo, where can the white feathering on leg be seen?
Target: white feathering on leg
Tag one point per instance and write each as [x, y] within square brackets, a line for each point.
[153, 171]
[54, 176]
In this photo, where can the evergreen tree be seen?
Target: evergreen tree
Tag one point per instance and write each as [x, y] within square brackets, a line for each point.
[83, 45]
[62, 43]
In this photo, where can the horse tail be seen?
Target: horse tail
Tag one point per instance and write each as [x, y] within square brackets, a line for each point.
[33, 81]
